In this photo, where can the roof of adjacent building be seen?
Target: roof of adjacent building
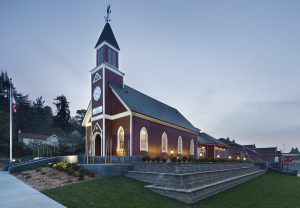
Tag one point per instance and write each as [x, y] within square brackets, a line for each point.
[204, 138]
[267, 150]
[250, 146]
[143, 104]
[34, 136]
[108, 36]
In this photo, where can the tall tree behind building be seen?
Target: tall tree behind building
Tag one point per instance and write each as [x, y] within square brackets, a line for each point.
[62, 117]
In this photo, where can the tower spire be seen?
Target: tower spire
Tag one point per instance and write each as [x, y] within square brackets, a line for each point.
[108, 11]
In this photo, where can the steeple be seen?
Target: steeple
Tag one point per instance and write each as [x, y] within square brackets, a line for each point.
[107, 47]
[108, 36]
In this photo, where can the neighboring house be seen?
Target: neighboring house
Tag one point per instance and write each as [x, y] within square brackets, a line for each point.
[236, 151]
[268, 154]
[72, 144]
[210, 147]
[75, 134]
[31, 140]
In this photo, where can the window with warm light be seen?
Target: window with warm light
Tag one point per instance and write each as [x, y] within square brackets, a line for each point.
[120, 145]
[143, 139]
[192, 151]
[180, 145]
[164, 142]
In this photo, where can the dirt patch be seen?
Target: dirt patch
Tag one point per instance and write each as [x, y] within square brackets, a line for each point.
[47, 178]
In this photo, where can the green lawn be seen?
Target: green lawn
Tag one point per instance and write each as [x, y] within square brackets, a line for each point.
[269, 190]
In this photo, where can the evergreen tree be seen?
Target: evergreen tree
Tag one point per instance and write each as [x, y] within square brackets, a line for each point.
[62, 117]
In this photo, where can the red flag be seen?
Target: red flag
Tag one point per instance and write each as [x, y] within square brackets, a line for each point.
[14, 104]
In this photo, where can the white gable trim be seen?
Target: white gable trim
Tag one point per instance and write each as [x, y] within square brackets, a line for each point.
[108, 44]
[87, 116]
[109, 67]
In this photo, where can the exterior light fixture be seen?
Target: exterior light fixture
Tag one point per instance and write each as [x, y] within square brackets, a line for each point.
[229, 157]
[201, 154]
[172, 152]
[244, 158]
[238, 158]
[218, 156]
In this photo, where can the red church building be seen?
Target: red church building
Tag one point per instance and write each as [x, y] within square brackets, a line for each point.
[122, 121]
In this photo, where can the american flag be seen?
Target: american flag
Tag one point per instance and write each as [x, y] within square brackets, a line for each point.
[14, 104]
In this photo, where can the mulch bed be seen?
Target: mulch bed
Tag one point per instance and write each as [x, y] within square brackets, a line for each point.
[48, 178]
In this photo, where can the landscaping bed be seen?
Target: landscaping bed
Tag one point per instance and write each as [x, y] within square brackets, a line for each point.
[56, 175]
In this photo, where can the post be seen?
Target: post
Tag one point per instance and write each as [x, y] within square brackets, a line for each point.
[10, 121]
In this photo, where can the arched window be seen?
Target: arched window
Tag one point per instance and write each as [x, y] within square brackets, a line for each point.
[164, 142]
[120, 138]
[143, 139]
[179, 145]
[192, 151]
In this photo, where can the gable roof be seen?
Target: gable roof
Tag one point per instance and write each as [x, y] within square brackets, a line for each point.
[204, 138]
[108, 36]
[267, 150]
[33, 136]
[250, 146]
[143, 104]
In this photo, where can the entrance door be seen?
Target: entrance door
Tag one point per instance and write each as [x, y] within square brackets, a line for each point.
[98, 145]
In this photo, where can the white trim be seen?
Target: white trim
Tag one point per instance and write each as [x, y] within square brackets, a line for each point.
[120, 99]
[162, 136]
[118, 138]
[103, 104]
[162, 122]
[109, 67]
[181, 144]
[146, 148]
[87, 115]
[130, 134]
[97, 77]
[108, 44]
[113, 117]
[192, 150]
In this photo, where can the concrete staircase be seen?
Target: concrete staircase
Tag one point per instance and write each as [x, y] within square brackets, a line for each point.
[188, 182]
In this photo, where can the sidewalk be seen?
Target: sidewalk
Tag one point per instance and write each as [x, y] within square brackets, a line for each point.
[15, 193]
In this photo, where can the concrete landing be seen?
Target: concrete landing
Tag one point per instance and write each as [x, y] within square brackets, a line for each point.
[15, 193]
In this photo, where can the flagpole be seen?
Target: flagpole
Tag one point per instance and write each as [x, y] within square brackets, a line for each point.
[10, 121]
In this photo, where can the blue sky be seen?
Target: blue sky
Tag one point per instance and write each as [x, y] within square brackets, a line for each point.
[231, 67]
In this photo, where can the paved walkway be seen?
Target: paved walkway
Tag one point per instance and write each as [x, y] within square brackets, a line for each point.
[15, 193]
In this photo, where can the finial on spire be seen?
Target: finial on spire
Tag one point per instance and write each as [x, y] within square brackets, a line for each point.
[108, 11]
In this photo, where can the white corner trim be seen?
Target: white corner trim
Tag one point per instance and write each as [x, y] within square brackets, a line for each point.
[130, 134]
[103, 104]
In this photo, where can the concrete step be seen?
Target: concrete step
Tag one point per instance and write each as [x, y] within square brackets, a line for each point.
[160, 167]
[188, 180]
[195, 194]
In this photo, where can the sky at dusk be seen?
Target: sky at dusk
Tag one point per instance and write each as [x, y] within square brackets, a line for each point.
[231, 67]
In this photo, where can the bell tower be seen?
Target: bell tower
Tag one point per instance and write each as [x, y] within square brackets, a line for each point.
[105, 73]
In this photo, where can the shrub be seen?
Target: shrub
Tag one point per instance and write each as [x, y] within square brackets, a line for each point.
[184, 158]
[146, 159]
[164, 159]
[173, 159]
[157, 159]
[75, 166]
[81, 177]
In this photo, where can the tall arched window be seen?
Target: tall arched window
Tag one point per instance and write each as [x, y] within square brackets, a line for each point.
[120, 145]
[143, 139]
[192, 151]
[164, 142]
[179, 145]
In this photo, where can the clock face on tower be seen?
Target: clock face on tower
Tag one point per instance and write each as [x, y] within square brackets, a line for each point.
[97, 93]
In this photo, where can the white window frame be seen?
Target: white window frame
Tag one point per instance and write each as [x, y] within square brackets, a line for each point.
[146, 148]
[192, 150]
[118, 136]
[179, 145]
[164, 135]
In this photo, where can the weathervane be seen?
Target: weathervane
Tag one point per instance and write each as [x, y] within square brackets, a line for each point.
[108, 11]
